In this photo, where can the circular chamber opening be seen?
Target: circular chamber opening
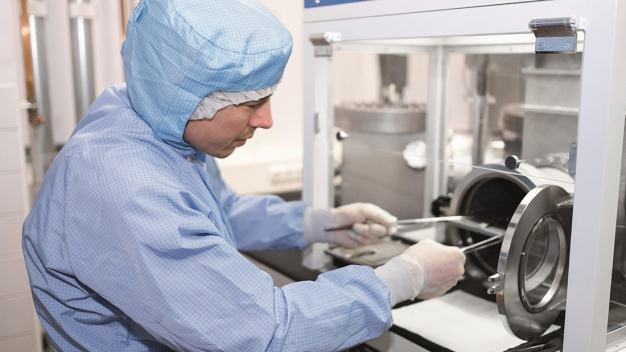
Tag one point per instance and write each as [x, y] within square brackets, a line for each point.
[543, 263]
[492, 201]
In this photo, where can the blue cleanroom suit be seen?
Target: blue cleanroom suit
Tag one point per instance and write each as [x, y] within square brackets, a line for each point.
[132, 242]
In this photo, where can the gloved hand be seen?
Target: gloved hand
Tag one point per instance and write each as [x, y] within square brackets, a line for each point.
[370, 222]
[430, 267]
[435, 268]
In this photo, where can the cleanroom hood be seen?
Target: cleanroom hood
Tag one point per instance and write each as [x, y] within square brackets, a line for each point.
[177, 52]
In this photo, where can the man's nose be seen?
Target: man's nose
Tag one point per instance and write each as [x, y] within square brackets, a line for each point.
[262, 117]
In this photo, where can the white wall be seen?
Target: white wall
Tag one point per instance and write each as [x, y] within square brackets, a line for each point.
[107, 39]
[18, 324]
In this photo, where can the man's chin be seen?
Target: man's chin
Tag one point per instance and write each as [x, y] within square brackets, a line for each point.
[222, 153]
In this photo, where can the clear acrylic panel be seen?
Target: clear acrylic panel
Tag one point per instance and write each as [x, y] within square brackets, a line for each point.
[617, 305]
[493, 98]
[543, 266]
[380, 101]
[498, 99]
[504, 105]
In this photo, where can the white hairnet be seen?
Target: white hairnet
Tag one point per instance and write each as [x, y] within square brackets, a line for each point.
[220, 99]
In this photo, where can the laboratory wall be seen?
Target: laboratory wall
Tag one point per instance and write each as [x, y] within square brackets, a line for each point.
[19, 328]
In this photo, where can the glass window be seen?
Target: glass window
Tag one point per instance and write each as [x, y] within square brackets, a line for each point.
[480, 128]
[380, 102]
[617, 304]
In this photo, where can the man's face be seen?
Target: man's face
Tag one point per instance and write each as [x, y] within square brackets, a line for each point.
[229, 128]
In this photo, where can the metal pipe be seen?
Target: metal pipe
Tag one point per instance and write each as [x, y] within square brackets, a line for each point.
[33, 118]
[123, 13]
[82, 61]
[483, 244]
[37, 135]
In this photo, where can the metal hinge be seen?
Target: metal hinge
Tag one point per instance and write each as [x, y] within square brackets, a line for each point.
[556, 35]
[497, 283]
[322, 43]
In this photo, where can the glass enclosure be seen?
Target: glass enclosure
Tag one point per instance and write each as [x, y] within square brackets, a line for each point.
[518, 105]
[498, 100]
[479, 128]
[617, 305]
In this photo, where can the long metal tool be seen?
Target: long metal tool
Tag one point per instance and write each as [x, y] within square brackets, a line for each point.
[492, 241]
[404, 222]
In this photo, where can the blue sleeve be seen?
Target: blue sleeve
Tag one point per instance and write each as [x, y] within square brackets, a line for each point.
[140, 244]
[259, 221]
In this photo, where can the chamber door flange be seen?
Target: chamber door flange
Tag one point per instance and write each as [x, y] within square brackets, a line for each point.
[532, 267]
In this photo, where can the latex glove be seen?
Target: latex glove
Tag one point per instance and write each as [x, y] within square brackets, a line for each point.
[370, 222]
[425, 270]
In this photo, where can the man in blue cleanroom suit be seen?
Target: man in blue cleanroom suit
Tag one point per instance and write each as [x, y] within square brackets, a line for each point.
[132, 242]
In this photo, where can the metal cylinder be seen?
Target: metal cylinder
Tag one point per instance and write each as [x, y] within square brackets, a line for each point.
[381, 119]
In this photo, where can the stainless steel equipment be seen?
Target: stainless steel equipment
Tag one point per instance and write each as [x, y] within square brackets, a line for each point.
[528, 273]
[492, 241]
[404, 222]
[532, 265]
[381, 118]
[491, 194]
[372, 170]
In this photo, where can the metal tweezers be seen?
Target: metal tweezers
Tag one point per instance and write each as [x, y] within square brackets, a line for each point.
[403, 222]
[469, 249]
